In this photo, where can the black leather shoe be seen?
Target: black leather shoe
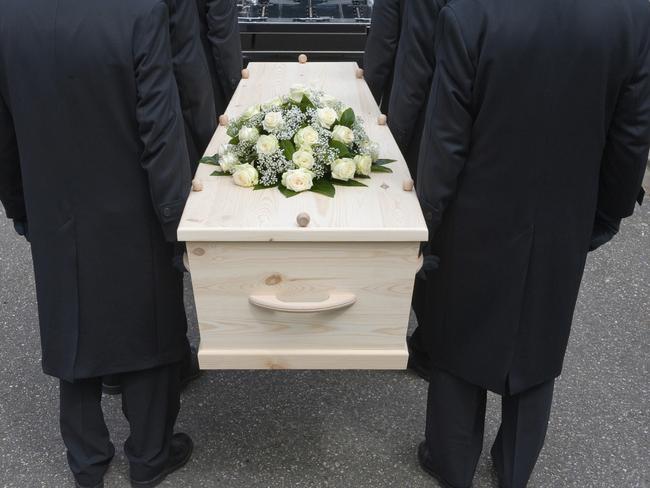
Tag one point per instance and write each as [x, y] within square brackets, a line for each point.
[179, 454]
[98, 485]
[425, 464]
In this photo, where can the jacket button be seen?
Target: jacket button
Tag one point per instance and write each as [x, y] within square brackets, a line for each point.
[167, 212]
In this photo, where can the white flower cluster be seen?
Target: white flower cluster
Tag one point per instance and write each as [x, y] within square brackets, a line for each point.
[296, 140]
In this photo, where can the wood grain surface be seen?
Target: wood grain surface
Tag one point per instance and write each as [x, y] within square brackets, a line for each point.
[381, 212]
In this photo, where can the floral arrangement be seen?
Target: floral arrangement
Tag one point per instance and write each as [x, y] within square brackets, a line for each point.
[303, 141]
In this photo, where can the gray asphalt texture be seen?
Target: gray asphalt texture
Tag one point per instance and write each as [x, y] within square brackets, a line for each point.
[354, 429]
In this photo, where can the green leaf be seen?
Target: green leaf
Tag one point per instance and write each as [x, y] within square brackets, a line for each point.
[219, 173]
[384, 162]
[324, 187]
[342, 149]
[262, 187]
[348, 118]
[306, 103]
[234, 141]
[286, 192]
[211, 160]
[381, 169]
[362, 177]
[347, 183]
[288, 149]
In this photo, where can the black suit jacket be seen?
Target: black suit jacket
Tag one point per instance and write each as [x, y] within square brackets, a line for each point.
[192, 77]
[381, 48]
[93, 154]
[414, 66]
[539, 115]
[222, 45]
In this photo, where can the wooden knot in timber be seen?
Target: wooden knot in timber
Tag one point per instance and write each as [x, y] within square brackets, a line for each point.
[273, 280]
[303, 219]
[302, 59]
[199, 251]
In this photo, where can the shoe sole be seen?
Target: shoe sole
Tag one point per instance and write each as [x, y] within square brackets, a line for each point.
[163, 476]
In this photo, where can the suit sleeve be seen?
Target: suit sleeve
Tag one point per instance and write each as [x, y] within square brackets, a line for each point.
[11, 184]
[413, 68]
[223, 34]
[164, 153]
[193, 79]
[447, 132]
[381, 46]
[628, 142]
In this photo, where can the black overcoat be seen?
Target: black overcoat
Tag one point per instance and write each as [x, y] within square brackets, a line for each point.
[414, 65]
[92, 152]
[539, 115]
[192, 77]
[222, 45]
[381, 48]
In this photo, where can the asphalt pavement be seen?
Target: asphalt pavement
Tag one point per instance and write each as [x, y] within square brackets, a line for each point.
[281, 429]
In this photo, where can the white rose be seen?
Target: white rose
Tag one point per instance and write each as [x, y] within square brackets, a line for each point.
[274, 103]
[371, 148]
[343, 134]
[329, 101]
[248, 134]
[306, 137]
[343, 169]
[303, 159]
[364, 164]
[228, 161]
[223, 149]
[326, 116]
[245, 175]
[300, 179]
[267, 145]
[273, 121]
[251, 112]
[296, 92]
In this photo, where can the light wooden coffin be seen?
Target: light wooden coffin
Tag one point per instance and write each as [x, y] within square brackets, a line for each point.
[333, 295]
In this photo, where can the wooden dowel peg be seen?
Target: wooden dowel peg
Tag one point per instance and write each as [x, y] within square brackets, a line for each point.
[408, 185]
[382, 119]
[245, 74]
[359, 73]
[303, 219]
[197, 185]
[224, 120]
[302, 59]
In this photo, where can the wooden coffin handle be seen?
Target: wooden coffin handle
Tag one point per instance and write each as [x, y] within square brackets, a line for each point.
[359, 74]
[245, 74]
[224, 120]
[382, 119]
[335, 301]
[302, 59]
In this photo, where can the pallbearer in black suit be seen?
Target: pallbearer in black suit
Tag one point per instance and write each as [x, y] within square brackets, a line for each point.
[197, 106]
[192, 77]
[414, 66]
[93, 157]
[222, 45]
[534, 149]
[381, 48]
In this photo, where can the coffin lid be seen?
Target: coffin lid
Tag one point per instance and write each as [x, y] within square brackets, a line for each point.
[385, 212]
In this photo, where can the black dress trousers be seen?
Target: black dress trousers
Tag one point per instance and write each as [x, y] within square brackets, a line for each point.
[455, 425]
[150, 402]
